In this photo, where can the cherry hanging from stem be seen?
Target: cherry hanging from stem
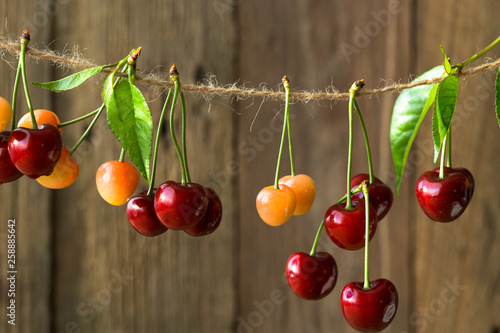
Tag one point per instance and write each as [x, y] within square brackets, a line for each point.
[320, 228]
[157, 143]
[286, 82]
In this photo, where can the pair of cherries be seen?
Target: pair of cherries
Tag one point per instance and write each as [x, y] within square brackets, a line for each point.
[366, 310]
[314, 277]
[28, 151]
[193, 208]
[346, 227]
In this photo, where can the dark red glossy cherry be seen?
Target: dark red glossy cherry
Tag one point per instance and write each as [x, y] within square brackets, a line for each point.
[142, 216]
[35, 152]
[180, 207]
[310, 277]
[8, 171]
[464, 172]
[346, 228]
[369, 310]
[379, 193]
[212, 217]
[443, 200]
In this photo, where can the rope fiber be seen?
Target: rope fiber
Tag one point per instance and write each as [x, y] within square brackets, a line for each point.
[76, 61]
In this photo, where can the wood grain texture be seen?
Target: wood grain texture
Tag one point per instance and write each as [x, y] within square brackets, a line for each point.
[120, 280]
[302, 41]
[106, 277]
[25, 200]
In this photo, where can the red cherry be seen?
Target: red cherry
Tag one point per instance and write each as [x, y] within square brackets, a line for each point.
[310, 277]
[469, 177]
[180, 207]
[443, 200]
[369, 310]
[464, 172]
[346, 228]
[379, 193]
[35, 152]
[8, 171]
[142, 216]
[212, 217]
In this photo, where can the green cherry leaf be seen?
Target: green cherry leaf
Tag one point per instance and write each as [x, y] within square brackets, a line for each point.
[497, 96]
[129, 118]
[447, 65]
[107, 87]
[70, 82]
[446, 103]
[409, 111]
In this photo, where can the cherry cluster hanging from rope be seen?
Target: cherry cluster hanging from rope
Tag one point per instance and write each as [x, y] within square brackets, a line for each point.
[35, 149]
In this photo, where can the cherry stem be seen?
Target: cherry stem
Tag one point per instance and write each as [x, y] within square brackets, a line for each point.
[316, 239]
[157, 143]
[348, 205]
[286, 84]
[98, 111]
[364, 188]
[14, 96]
[131, 62]
[84, 135]
[367, 143]
[315, 244]
[25, 39]
[478, 55]
[448, 160]
[122, 155]
[443, 154]
[74, 121]
[277, 177]
[183, 104]
[174, 139]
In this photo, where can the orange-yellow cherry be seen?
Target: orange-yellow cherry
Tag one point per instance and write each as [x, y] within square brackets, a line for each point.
[64, 174]
[116, 181]
[305, 190]
[276, 206]
[5, 113]
[42, 117]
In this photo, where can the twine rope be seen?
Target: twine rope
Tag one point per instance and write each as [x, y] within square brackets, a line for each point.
[76, 61]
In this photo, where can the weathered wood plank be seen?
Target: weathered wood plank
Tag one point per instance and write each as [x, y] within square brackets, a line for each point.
[456, 264]
[25, 200]
[107, 277]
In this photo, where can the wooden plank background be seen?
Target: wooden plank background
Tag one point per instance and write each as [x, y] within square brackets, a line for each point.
[81, 267]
